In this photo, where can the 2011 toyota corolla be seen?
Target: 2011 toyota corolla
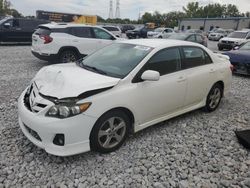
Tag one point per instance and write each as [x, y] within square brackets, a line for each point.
[122, 88]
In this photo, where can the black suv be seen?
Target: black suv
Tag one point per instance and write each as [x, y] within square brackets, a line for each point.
[140, 32]
[18, 29]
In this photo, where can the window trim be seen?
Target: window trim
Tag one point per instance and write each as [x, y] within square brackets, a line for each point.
[183, 57]
[137, 77]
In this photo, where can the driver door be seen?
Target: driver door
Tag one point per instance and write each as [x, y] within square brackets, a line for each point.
[102, 38]
[156, 99]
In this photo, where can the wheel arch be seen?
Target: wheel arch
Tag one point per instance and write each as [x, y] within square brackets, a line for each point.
[64, 48]
[128, 112]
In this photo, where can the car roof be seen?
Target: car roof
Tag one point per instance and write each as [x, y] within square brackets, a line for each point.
[243, 31]
[158, 43]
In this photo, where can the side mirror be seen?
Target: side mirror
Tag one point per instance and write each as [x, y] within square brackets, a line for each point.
[6, 25]
[150, 75]
[236, 48]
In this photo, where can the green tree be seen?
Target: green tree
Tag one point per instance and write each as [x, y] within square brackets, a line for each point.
[192, 10]
[232, 11]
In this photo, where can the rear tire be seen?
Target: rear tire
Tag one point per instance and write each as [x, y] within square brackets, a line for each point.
[214, 97]
[110, 131]
[68, 56]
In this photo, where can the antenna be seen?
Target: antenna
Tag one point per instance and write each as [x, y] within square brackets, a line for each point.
[117, 12]
[111, 9]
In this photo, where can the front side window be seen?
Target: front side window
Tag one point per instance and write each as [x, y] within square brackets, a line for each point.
[165, 61]
[191, 38]
[101, 34]
[240, 35]
[116, 60]
[194, 57]
[199, 38]
[83, 32]
[246, 46]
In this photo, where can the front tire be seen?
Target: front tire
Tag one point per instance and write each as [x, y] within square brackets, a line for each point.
[67, 56]
[214, 98]
[109, 132]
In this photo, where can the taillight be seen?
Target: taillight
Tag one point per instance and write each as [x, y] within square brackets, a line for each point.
[232, 67]
[47, 39]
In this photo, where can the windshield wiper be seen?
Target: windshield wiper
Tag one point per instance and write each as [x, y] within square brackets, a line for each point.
[93, 69]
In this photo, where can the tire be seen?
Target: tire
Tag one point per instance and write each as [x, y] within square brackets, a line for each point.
[160, 37]
[109, 132]
[220, 48]
[67, 56]
[214, 97]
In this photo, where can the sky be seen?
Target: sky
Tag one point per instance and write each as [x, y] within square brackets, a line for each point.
[128, 8]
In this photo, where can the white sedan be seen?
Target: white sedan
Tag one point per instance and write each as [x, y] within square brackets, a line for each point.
[123, 88]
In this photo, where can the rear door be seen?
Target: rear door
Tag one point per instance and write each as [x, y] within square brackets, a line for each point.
[200, 72]
[83, 39]
[12, 32]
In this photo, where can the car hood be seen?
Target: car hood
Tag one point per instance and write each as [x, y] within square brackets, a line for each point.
[239, 55]
[233, 39]
[69, 80]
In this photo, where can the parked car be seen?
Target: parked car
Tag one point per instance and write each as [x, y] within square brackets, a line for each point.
[240, 59]
[217, 35]
[13, 30]
[140, 32]
[192, 37]
[236, 38]
[160, 32]
[120, 89]
[114, 29]
[69, 42]
[125, 28]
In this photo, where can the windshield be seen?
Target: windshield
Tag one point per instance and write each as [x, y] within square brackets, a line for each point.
[3, 20]
[239, 35]
[246, 46]
[116, 60]
[178, 36]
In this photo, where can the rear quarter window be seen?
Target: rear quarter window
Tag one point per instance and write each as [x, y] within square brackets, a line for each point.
[43, 31]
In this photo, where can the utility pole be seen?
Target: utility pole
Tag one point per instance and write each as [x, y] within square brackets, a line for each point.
[117, 12]
[111, 9]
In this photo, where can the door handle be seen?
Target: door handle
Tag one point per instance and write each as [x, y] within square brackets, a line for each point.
[181, 79]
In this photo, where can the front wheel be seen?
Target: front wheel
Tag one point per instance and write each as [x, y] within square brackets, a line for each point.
[214, 98]
[109, 132]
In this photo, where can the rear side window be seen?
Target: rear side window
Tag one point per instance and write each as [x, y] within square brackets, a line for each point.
[83, 32]
[165, 61]
[43, 31]
[194, 57]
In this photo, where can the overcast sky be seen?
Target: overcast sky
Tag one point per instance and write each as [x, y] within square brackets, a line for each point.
[129, 8]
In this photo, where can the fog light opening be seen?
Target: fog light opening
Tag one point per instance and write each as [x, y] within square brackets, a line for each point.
[59, 140]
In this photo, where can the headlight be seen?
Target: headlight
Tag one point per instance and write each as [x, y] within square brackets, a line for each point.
[64, 110]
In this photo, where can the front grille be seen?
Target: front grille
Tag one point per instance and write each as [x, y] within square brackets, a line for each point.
[31, 99]
[227, 42]
[33, 133]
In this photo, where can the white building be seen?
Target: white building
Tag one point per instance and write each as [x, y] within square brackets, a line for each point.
[207, 24]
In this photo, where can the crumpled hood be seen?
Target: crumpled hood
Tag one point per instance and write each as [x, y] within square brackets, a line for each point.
[239, 55]
[70, 80]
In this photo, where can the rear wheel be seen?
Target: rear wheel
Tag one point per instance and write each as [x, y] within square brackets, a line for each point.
[109, 132]
[214, 98]
[67, 56]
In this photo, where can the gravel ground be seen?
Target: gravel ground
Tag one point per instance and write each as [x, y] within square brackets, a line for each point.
[194, 150]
